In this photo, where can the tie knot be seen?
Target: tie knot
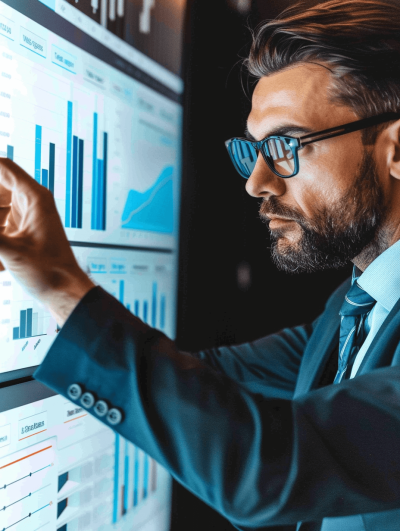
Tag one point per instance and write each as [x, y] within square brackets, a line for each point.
[357, 301]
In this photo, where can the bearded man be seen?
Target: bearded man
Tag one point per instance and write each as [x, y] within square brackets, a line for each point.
[301, 428]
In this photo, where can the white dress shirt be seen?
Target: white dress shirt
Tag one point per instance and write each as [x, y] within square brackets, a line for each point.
[381, 280]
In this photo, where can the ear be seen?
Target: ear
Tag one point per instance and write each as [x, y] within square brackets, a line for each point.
[389, 141]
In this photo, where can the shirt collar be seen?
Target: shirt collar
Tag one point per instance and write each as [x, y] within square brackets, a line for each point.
[381, 279]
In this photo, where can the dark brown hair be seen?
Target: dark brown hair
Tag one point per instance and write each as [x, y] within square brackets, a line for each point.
[358, 40]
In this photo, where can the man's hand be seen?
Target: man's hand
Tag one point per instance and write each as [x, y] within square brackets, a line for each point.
[33, 244]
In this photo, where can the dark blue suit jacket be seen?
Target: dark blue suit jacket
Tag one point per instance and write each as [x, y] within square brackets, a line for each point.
[245, 428]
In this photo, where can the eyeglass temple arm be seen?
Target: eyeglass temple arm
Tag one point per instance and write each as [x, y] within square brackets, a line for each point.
[347, 128]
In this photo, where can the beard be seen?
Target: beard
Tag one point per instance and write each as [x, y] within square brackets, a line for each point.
[338, 233]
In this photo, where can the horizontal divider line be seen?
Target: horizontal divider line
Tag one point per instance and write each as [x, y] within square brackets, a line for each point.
[125, 247]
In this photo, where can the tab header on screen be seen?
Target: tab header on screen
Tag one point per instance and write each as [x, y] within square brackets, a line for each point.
[33, 42]
[63, 59]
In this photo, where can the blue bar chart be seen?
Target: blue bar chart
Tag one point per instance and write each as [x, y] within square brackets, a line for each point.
[10, 152]
[43, 176]
[141, 281]
[152, 314]
[74, 176]
[99, 187]
[135, 478]
[29, 325]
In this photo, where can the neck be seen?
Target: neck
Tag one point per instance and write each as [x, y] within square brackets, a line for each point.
[384, 238]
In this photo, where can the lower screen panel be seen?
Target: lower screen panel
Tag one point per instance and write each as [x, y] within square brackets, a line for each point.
[144, 282]
[61, 469]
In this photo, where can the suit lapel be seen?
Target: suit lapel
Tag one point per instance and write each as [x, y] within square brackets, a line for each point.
[326, 337]
[384, 344]
[323, 341]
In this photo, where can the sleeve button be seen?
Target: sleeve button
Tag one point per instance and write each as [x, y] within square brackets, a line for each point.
[101, 408]
[74, 391]
[87, 400]
[114, 416]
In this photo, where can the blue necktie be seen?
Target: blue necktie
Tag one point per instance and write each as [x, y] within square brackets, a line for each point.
[357, 304]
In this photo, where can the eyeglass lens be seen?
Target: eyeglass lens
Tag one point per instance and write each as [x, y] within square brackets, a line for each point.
[282, 156]
[279, 155]
[244, 157]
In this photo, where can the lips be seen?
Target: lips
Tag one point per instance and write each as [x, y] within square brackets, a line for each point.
[278, 218]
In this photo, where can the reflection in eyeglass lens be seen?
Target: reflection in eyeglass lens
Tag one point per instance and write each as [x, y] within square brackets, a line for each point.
[245, 157]
[282, 156]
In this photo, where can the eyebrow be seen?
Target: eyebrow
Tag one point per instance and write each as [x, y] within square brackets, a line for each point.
[290, 130]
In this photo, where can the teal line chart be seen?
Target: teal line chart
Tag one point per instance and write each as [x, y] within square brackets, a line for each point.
[152, 210]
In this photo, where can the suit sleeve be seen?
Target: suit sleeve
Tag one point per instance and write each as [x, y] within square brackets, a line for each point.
[268, 366]
[258, 461]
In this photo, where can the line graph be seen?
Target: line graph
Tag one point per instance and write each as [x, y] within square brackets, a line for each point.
[28, 488]
[153, 209]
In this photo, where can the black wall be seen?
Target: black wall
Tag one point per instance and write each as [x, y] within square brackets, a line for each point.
[221, 233]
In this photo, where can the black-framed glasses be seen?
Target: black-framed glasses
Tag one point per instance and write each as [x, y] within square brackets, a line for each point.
[281, 152]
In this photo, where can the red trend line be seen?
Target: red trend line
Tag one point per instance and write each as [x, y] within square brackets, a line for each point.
[26, 457]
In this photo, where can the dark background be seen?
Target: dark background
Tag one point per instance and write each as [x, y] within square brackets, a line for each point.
[230, 292]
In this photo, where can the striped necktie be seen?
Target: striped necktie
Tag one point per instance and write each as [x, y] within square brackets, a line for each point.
[357, 304]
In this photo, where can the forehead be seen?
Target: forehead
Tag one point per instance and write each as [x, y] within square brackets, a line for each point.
[298, 96]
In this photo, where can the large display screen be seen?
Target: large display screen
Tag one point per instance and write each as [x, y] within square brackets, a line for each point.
[108, 146]
[99, 123]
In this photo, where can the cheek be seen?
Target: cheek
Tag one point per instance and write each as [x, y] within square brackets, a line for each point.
[325, 177]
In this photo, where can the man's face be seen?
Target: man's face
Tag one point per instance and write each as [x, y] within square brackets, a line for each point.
[332, 209]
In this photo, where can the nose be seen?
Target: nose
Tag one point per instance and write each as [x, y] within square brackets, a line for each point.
[263, 182]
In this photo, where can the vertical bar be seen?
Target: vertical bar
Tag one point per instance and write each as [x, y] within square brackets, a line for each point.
[162, 312]
[112, 10]
[22, 323]
[35, 324]
[120, 8]
[146, 476]
[10, 152]
[16, 332]
[121, 291]
[145, 308]
[136, 312]
[45, 178]
[128, 307]
[29, 322]
[103, 13]
[153, 483]
[39, 327]
[104, 198]
[75, 154]
[123, 500]
[136, 478]
[154, 306]
[116, 479]
[38, 152]
[52, 161]
[80, 185]
[68, 174]
[99, 192]
[126, 477]
[94, 171]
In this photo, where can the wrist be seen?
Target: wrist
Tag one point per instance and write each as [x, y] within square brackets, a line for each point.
[65, 297]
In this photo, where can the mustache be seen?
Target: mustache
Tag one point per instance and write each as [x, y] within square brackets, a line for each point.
[271, 207]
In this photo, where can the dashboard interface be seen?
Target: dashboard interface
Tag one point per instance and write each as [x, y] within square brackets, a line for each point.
[90, 107]
[61, 468]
